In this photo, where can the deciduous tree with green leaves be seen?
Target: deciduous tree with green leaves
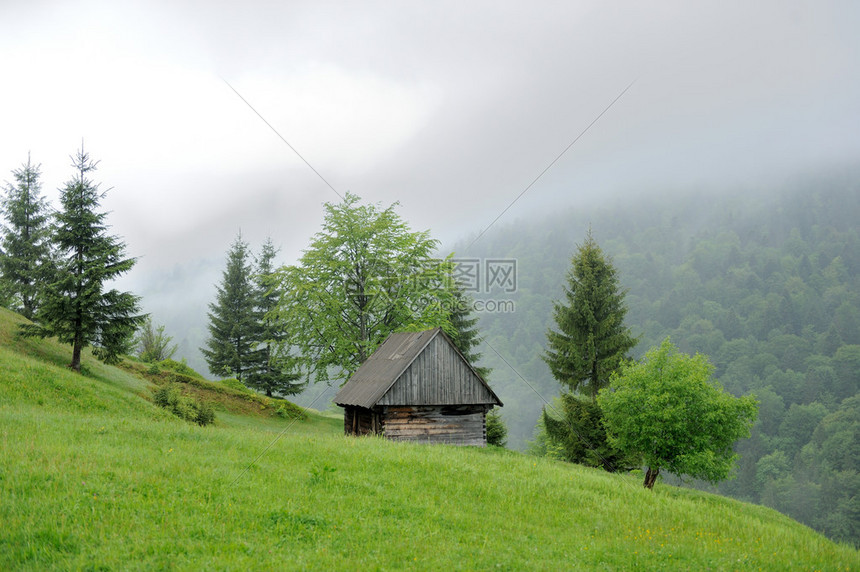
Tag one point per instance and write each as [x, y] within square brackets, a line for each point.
[364, 276]
[153, 345]
[25, 247]
[76, 307]
[666, 408]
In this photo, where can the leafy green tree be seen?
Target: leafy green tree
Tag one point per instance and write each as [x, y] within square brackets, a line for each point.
[25, 249]
[273, 370]
[666, 408]
[591, 341]
[153, 345]
[76, 308]
[364, 276]
[233, 323]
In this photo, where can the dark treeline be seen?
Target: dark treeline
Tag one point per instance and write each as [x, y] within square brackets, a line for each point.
[765, 284]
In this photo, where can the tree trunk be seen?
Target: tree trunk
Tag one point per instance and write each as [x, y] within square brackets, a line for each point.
[651, 477]
[76, 355]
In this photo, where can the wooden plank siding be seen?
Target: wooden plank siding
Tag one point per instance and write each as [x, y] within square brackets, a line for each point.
[454, 425]
[361, 421]
[438, 376]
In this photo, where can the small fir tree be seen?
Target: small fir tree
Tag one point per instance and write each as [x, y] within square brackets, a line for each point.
[25, 249]
[233, 323]
[76, 308]
[497, 431]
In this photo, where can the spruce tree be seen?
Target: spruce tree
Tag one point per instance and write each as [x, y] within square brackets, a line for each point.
[76, 308]
[464, 326]
[233, 323]
[25, 247]
[272, 369]
[591, 341]
[590, 344]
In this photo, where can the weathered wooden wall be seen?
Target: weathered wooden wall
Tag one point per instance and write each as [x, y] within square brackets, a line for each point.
[360, 421]
[455, 425]
[438, 376]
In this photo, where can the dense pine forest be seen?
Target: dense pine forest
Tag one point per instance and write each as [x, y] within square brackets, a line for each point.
[764, 283]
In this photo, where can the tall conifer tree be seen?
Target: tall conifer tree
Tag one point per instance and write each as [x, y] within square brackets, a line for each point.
[591, 341]
[233, 324]
[273, 370]
[25, 247]
[76, 308]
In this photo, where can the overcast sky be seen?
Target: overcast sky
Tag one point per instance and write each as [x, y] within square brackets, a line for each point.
[451, 108]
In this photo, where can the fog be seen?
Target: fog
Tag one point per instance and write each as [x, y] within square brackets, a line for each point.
[450, 109]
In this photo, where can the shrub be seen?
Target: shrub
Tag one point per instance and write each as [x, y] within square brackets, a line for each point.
[191, 409]
[205, 414]
[165, 395]
[290, 410]
[234, 383]
[178, 367]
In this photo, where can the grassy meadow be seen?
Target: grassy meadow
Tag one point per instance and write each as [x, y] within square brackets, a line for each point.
[93, 476]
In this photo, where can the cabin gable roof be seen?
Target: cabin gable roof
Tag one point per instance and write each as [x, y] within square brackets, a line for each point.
[416, 368]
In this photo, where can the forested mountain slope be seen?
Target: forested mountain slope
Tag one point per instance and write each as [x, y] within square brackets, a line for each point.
[765, 283]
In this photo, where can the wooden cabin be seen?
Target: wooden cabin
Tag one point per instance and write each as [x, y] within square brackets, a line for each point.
[417, 386]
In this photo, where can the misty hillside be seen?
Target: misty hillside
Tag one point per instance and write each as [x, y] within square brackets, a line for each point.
[765, 284]
[93, 476]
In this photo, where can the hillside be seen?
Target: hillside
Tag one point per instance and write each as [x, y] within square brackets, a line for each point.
[766, 283]
[93, 476]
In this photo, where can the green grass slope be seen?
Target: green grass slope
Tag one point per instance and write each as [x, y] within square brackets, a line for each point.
[94, 477]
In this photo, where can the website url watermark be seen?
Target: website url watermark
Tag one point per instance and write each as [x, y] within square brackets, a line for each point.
[468, 306]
